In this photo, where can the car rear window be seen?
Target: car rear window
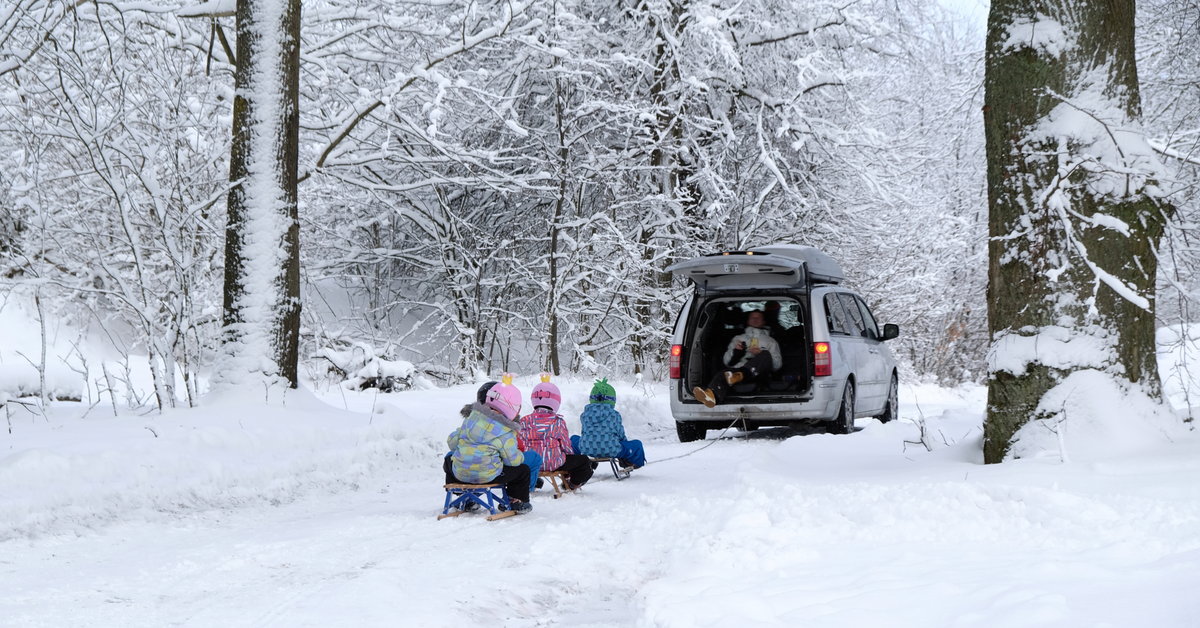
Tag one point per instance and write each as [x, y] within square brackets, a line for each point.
[779, 314]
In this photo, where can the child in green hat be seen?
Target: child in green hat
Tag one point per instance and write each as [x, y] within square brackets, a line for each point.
[603, 434]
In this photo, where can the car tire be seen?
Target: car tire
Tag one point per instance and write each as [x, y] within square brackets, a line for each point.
[844, 422]
[689, 431]
[891, 408]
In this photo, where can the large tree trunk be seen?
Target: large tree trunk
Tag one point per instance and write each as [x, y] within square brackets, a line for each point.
[1073, 214]
[262, 239]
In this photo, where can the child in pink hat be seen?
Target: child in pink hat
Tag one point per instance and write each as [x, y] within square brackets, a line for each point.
[483, 450]
[545, 432]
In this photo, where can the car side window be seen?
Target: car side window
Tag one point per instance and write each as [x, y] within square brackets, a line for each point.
[868, 318]
[857, 328]
[835, 315]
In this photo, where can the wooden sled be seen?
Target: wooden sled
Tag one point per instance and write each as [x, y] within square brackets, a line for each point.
[492, 497]
[558, 480]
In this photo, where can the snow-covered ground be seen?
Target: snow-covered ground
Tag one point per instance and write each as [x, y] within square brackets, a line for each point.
[323, 513]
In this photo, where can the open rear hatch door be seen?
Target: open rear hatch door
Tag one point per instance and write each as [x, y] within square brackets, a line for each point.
[741, 270]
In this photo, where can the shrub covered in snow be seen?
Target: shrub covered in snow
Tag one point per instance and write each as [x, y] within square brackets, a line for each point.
[360, 366]
[22, 380]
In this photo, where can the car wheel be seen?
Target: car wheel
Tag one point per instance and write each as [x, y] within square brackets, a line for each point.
[892, 408]
[844, 423]
[689, 431]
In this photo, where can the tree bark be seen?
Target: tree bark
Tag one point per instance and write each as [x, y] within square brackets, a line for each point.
[263, 217]
[560, 201]
[1072, 231]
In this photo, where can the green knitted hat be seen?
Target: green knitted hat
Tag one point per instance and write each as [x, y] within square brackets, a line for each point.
[603, 392]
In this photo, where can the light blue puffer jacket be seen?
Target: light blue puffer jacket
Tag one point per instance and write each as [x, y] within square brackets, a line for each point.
[602, 431]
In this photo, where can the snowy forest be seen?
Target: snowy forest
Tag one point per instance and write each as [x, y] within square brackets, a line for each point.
[255, 255]
[498, 185]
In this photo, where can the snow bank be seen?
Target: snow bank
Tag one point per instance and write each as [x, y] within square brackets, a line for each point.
[65, 473]
[943, 553]
[760, 529]
[1091, 415]
[22, 380]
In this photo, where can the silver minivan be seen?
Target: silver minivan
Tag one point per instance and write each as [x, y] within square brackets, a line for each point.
[836, 365]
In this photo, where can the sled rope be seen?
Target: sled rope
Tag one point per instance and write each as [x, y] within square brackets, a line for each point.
[698, 449]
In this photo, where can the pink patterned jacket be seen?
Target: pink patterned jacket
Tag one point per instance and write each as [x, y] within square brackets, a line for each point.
[546, 433]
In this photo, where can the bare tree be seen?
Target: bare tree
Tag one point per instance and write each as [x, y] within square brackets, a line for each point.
[112, 167]
[261, 331]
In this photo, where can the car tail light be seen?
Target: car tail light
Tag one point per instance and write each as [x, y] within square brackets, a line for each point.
[673, 363]
[822, 364]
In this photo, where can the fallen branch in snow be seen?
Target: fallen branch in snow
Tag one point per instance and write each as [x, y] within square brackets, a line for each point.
[923, 431]
[90, 408]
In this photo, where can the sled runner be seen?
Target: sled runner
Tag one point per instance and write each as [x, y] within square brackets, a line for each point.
[463, 497]
[620, 472]
[558, 480]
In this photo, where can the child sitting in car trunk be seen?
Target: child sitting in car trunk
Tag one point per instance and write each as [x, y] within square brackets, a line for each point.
[751, 354]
